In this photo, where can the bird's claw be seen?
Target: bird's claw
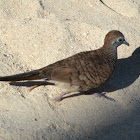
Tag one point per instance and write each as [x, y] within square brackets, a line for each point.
[104, 96]
[58, 99]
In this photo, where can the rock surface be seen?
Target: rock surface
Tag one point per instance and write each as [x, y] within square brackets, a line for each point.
[36, 33]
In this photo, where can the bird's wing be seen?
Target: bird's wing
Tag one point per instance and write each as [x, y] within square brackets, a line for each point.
[67, 74]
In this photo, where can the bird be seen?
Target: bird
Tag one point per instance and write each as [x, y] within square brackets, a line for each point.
[80, 72]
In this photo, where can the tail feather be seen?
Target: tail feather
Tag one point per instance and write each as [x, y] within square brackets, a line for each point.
[33, 75]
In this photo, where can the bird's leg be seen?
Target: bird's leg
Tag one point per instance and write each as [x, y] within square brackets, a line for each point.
[59, 98]
[103, 95]
[35, 86]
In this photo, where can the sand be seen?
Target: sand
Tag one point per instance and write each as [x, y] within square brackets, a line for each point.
[36, 33]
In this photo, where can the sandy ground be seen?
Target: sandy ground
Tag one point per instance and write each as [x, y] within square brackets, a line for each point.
[36, 33]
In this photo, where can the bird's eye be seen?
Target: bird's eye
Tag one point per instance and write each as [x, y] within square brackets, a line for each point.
[120, 39]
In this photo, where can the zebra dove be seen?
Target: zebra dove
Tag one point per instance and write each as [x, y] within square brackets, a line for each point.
[82, 71]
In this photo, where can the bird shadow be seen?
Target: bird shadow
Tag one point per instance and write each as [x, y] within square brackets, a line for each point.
[126, 72]
[31, 83]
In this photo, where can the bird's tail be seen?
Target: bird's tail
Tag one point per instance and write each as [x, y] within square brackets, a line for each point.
[32, 75]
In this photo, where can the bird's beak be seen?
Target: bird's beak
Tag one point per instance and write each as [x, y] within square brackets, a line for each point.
[126, 43]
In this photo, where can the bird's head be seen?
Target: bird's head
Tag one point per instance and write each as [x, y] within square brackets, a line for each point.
[114, 39]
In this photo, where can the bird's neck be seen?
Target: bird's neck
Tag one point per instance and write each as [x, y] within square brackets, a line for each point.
[110, 50]
[111, 54]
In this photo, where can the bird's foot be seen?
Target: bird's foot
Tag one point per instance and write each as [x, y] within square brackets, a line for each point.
[35, 86]
[104, 96]
[59, 98]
